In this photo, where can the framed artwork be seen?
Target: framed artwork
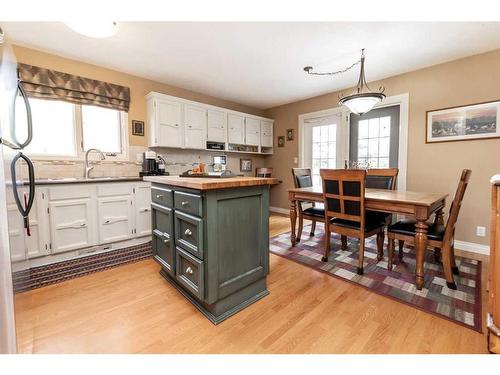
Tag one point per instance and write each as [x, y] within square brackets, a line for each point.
[245, 165]
[289, 134]
[281, 141]
[474, 121]
[137, 127]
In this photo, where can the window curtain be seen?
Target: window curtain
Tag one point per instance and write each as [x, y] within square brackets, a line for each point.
[50, 84]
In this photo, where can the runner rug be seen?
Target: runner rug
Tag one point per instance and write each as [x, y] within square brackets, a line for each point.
[462, 306]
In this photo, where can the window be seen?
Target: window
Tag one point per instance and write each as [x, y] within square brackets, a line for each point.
[374, 141]
[65, 130]
[324, 150]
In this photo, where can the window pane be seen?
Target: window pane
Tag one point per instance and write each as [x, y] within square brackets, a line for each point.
[373, 128]
[324, 133]
[332, 149]
[316, 180]
[385, 126]
[324, 150]
[315, 164]
[316, 134]
[363, 129]
[316, 150]
[373, 147]
[101, 129]
[324, 163]
[362, 148]
[384, 146]
[331, 163]
[373, 163]
[383, 162]
[53, 127]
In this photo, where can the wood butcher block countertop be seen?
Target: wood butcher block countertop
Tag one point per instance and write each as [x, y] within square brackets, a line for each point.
[201, 183]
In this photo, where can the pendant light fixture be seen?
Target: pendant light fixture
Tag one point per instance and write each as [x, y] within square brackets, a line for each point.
[363, 99]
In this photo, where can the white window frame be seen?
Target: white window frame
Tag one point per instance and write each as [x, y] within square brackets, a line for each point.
[80, 153]
[343, 134]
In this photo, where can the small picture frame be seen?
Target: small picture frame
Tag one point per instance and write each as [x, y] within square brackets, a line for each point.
[245, 165]
[289, 134]
[137, 127]
[281, 141]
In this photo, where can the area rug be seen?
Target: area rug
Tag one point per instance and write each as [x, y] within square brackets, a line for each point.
[462, 306]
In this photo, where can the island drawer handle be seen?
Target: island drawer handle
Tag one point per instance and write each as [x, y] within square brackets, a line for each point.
[184, 203]
[188, 232]
[166, 240]
[189, 271]
[159, 196]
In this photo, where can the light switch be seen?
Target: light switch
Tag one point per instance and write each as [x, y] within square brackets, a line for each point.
[295, 160]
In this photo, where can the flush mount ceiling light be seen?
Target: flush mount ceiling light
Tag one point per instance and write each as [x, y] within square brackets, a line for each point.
[93, 29]
[363, 99]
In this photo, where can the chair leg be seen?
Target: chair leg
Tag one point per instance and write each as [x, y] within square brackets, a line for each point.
[361, 255]
[301, 225]
[438, 258]
[401, 246]
[343, 242]
[454, 267]
[390, 252]
[380, 245]
[450, 282]
[313, 228]
[326, 243]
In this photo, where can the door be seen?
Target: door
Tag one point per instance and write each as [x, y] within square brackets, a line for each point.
[143, 210]
[71, 225]
[196, 127]
[236, 129]
[115, 217]
[266, 133]
[374, 138]
[169, 122]
[217, 125]
[252, 131]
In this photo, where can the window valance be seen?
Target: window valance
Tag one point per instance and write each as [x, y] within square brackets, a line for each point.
[50, 84]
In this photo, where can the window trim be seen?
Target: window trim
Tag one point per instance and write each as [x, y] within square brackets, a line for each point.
[78, 131]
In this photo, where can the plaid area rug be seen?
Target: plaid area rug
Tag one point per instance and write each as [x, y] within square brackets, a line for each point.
[462, 306]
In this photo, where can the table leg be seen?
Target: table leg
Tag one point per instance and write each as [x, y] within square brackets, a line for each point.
[420, 248]
[438, 220]
[293, 220]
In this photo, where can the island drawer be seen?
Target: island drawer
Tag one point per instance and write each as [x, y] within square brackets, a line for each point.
[188, 203]
[162, 219]
[189, 272]
[163, 251]
[162, 196]
[189, 233]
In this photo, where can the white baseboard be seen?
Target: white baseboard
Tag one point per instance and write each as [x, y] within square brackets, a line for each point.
[279, 210]
[472, 247]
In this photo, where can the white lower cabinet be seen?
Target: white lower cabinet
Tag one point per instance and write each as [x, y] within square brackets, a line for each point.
[71, 224]
[76, 216]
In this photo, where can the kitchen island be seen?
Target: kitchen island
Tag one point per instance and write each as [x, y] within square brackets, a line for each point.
[211, 238]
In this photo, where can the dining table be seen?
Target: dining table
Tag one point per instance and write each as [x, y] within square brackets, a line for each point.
[419, 205]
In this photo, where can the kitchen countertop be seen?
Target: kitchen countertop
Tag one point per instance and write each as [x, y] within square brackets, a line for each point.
[201, 183]
[82, 180]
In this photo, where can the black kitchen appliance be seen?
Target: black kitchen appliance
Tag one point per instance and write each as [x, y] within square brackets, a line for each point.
[150, 165]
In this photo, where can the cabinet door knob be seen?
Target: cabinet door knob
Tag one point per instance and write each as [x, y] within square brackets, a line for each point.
[188, 232]
[184, 203]
[189, 271]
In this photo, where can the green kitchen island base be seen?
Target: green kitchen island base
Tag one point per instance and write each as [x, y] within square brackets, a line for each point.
[211, 238]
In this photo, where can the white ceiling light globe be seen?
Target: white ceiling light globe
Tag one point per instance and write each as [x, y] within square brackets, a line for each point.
[93, 29]
[361, 105]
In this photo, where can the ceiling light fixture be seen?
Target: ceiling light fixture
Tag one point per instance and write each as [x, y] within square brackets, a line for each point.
[94, 29]
[363, 100]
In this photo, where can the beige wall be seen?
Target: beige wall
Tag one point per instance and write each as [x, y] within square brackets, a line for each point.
[139, 87]
[431, 167]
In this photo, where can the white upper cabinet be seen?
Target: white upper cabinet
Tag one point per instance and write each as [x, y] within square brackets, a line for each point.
[252, 131]
[217, 126]
[167, 117]
[236, 128]
[266, 133]
[196, 126]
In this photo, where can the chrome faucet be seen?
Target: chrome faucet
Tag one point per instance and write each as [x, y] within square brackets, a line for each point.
[87, 168]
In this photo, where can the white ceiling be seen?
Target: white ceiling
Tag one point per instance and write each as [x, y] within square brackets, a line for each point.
[260, 64]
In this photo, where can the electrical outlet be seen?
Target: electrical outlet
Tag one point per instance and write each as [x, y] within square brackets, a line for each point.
[481, 231]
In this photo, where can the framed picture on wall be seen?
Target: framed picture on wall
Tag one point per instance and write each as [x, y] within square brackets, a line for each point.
[289, 134]
[474, 121]
[281, 141]
[137, 127]
[245, 165]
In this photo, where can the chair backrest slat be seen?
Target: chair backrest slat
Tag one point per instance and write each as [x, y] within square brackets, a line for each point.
[344, 194]
[456, 204]
[382, 178]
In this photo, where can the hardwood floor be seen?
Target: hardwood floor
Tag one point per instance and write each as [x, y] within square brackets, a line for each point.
[131, 309]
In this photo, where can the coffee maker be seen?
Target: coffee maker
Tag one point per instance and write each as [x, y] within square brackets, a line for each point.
[150, 165]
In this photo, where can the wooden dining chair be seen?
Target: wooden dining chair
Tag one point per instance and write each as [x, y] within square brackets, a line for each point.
[344, 200]
[302, 177]
[263, 172]
[382, 178]
[439, 236]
